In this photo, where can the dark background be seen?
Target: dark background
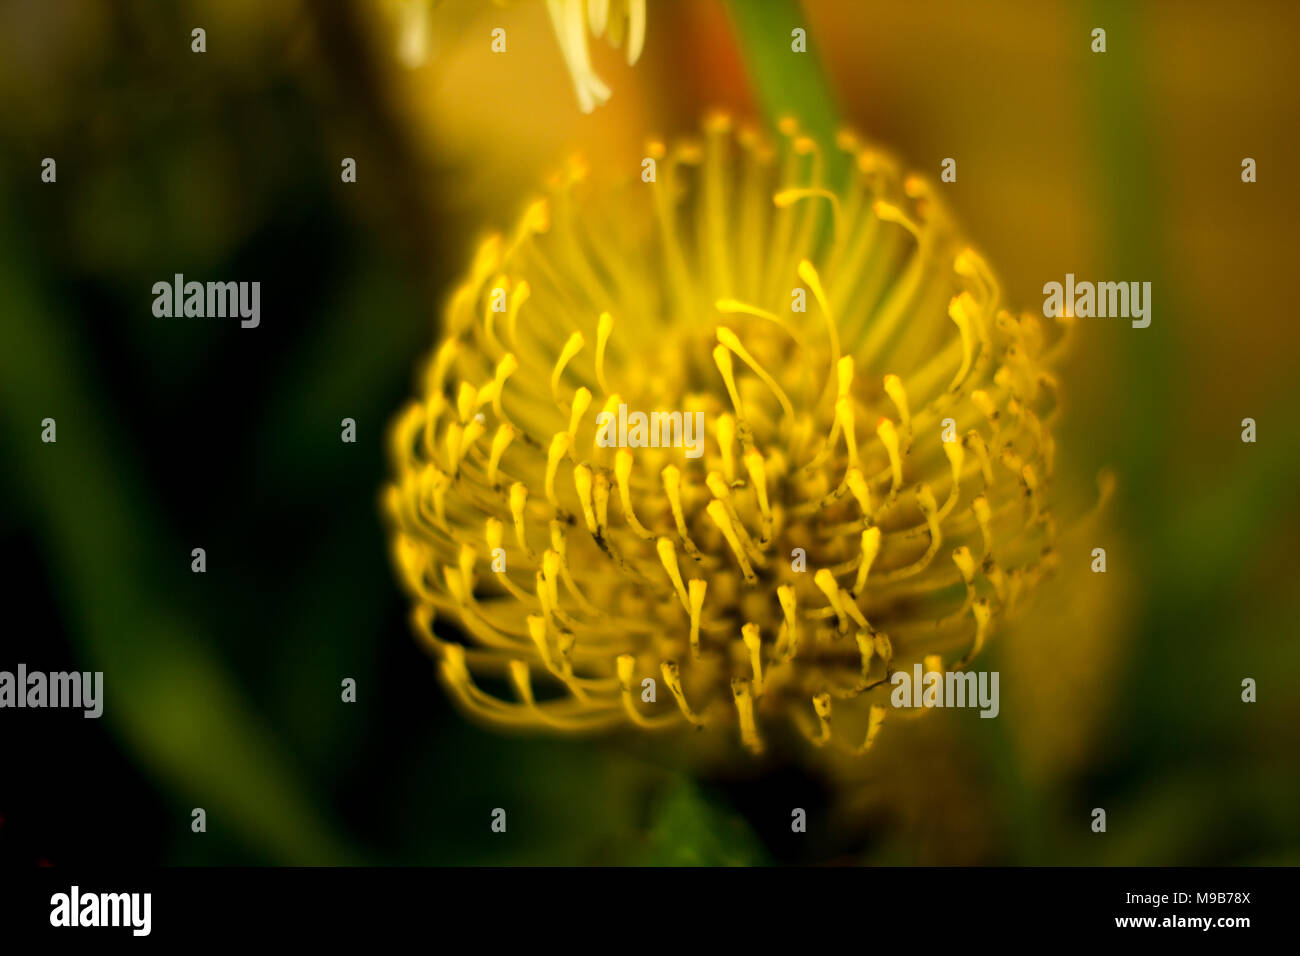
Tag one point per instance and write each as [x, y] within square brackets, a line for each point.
[223, 689]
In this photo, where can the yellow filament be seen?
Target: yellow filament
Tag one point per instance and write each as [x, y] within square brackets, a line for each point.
[610, 411]
[758, 475]
[522, 292]
[808, 273]
[722, 358]
[582, 483]
[830, 587]
[1030, 478]
[623, 475]
[870, 548]
[626, 667]
[729, 339]
[889, 438]
[843, 376]
[983, 613]
[875, 718]
[603, 329]
[785, 594]
[668, 558]
[717, 511]
[726, 436]
[673, 678]
[672, 478]
[472, 433]
[976, 441]
[984, 517]
[442, 361]
[505, 434]
[844, 418]
[551, 576]
[740, 689]
[787, 197]
[518, 501]
[505, 368]
[959, 310]
[753, 641]
[465, 401]
[980, 399]
[894, 389]
[696, 599]
[452, 440]
[822, 708]
[581, 402]
[961, 557]
[861, 493]
[571, 348]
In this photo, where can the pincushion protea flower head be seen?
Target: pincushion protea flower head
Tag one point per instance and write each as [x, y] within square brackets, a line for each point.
[872, 490]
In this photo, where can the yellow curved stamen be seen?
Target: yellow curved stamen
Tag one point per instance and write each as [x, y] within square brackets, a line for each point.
[726, 435]
[753, 642]
[571, 348]
[729, 339]
[668, 558]
[959, 310]
[626, 664]
[672, 479]
[984, 517]
[582, 484]
[787, 197]
[826, 582]
[500, 441]
[581, 402]
[786, 596]
[822, 708]
[983, 613]
[844, 418]
[874, 721]
[673, 678]
[857, 485]
[465, 401]
[740, 689]
[758, 476]
[889, 438]
[521, 295]
[894, 389]
[870, 548]
[695, 596]
[603, 329]
[518, 502]
[722, 358]
[623, 476]
[717, 511]
[808, 273]
[560, 445]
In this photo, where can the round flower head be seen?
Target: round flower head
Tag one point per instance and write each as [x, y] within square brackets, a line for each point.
[721, 446]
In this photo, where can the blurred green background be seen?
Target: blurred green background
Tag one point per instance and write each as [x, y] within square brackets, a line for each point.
[223, 688]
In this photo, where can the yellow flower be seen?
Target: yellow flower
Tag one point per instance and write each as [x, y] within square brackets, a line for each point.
[829, 531]
[616, 20]
[611, 18]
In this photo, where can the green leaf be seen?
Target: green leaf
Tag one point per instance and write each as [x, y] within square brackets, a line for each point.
[787, 83]
[690, 828]
[167, 694]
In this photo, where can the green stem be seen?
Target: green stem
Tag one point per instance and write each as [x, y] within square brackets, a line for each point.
[787, 83]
